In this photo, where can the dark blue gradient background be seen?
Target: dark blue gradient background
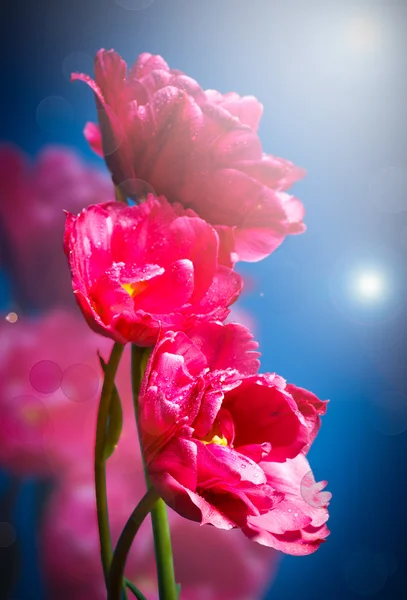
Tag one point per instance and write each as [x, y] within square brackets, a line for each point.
[331, 77]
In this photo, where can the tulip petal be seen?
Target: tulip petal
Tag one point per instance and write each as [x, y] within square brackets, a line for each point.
[295, 526]
[94, 137]
[247, 108]
[282, 425]
[229, 346]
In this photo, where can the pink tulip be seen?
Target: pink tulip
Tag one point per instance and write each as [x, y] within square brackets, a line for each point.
[32, 201]
[141, 269]
[210, 564]
[50, 383]
[226, 446]
[195, 147]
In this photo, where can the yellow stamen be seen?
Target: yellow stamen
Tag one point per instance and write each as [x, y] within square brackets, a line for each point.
[221, 441]
[133, 289]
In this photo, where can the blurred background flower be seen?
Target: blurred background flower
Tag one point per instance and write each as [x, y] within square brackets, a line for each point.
[33, 197]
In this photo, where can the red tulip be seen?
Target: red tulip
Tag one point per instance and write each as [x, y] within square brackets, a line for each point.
[226, 446]
[141, 269]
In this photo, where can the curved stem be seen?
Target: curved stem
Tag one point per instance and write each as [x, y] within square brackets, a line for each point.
[125, 541]
[167, 586]
[100, 462]
[134, 590]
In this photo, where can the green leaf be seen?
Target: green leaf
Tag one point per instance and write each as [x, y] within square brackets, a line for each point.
[133, 589]
[115, 420]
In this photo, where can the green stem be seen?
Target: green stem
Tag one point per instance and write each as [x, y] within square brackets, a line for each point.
[125, 541]
[167, 586]
[100, 462]
[139, 359]
[133, 589]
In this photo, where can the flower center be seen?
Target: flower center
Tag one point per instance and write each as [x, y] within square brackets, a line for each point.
[134, 289]
[222, 431]
[221, 441]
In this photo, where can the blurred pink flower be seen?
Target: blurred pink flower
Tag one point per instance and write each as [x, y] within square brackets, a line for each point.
[50, 382]
[196, 147]
[140, 269]
[209, 564]
[32, 200]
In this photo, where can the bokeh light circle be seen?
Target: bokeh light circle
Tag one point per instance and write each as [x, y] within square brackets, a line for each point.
[11, 317]
[25, 424]
[365, 572]
[312, 493]
[46, 376]
[77, 62]
[136, 189]
[134, 4]
[80, 382]
[367, 285]
[54, 115]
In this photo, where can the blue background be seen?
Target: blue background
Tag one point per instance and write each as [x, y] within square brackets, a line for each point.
[331, 77]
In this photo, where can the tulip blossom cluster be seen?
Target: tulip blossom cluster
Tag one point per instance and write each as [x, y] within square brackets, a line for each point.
[223, 444]
[218, 441]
